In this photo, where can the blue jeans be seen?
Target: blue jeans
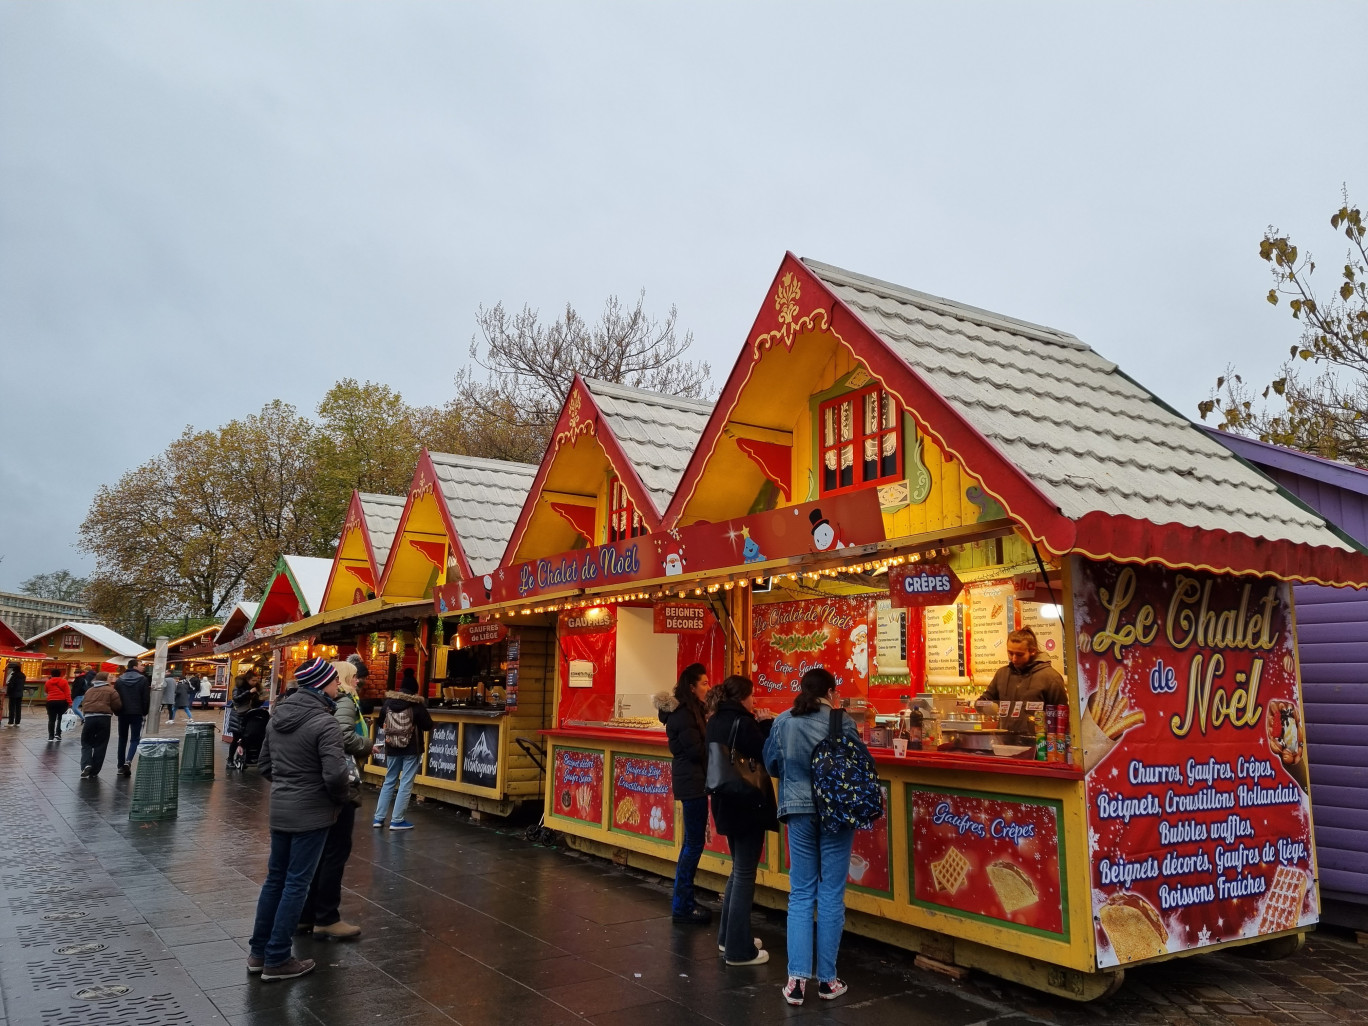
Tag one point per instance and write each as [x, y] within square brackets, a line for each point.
[399, 772]
[130, 727]
[695, 832]
[818, 866]
[76, 707]
[734, 927]
[177, 708]
[294, 857]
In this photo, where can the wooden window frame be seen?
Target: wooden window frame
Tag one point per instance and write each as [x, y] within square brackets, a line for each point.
[621, 508]
[859, 437]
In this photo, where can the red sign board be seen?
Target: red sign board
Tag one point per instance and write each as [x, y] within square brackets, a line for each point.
[823, 527]
[680, 617]
[643, 800]
[577, 781]
[481, 633]
[986, 856]
[923, 585]
[789, 638]
[594, 620]
[1194, 750]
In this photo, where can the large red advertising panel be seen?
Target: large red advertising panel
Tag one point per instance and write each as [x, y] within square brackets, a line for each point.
[988, 857]
[643, 801]
[789, 638]
[1199, 820]
[577, 782]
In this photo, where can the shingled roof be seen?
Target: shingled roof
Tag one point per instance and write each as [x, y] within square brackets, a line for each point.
[484, 498]
[382, 513]
[658, 433]
[1089, 438]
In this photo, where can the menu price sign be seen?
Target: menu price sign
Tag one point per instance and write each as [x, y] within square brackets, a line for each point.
[988, 857]
[991, 619]
[1199, 820]
[443, 748]
[577, 785]
[643, 802]
[945, 655]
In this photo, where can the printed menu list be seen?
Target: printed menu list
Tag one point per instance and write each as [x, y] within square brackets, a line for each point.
[1194, 754]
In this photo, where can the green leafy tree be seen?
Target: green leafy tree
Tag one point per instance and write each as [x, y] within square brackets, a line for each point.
[62, 585]
[1319, 401]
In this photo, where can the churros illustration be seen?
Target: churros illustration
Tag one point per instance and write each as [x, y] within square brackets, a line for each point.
[1283, 903]
[950, 871]
[1014, 889]
[1107, 716]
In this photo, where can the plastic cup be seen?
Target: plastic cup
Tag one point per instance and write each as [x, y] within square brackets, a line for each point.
[900, 747]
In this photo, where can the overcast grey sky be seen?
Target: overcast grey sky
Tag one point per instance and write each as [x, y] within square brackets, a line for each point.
[204, 206]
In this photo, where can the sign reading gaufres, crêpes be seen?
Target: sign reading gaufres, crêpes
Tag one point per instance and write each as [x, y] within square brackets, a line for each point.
[824, 527]
[1195, 759]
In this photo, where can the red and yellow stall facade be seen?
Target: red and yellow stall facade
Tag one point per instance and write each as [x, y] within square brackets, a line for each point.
[865, 497]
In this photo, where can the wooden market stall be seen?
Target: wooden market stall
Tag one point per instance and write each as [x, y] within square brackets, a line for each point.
[912, 479]
[75, 646]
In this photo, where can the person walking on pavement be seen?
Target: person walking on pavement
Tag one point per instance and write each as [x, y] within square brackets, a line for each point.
[57, 693]
[322, 909]
[168, 695]
[79, 686]
[15, 683]
[184, 696]
[742, 821]
[303, 759]
[406, 720]
[102, 704]
[685, 722]
[818, 862]
[135, 697]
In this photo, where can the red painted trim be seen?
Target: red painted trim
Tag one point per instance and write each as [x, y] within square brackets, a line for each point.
[362, 574]
[617, 460]
[433, 552]
[576, 517]
[463, 564]
[774, 460]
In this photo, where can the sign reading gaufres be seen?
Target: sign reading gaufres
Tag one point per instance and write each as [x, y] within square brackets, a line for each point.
[824, 527]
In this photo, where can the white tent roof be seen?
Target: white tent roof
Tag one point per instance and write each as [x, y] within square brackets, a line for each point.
[97, 633]
[311, 574]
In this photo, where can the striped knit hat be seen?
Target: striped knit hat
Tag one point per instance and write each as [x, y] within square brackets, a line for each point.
[315, 674]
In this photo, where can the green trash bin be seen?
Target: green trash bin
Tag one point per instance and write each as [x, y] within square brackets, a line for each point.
[197, 752]
[156, 784]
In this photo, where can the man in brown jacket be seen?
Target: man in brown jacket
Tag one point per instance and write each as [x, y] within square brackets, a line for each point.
[101, 705]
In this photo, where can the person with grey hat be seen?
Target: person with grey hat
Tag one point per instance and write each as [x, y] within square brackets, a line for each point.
[303, 759]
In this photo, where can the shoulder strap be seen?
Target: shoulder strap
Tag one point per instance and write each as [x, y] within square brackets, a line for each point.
[834, 723]
[731, 742]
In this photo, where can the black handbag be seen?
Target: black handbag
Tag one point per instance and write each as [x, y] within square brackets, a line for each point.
[736, 776]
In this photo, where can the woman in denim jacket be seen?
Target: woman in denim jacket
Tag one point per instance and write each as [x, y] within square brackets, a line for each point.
[818, 862]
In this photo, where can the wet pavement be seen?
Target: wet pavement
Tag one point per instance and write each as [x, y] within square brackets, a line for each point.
[473, 924]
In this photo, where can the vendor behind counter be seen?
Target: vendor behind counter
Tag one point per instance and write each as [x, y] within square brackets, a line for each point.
[1028, 677]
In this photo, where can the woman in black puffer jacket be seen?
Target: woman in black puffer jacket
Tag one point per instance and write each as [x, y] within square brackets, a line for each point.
[684, 717]
[744, 822]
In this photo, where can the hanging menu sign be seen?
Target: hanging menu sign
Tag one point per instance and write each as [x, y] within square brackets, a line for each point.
[1049, 631]
[1194, 754]
[680, 617]
[890, 654]
[945, 655]
[991, 619]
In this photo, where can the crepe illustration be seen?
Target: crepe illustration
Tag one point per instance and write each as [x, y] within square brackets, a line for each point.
[1133, 926]
[1283, 903]
[1015, 890]
[627, 812]
[950, 871]
[1286, 738]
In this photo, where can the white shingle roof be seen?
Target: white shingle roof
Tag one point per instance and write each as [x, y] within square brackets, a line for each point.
[1089, 437]
[484, 498]
[97, 633]
[311, 573]
[658, 433]
[382, 513]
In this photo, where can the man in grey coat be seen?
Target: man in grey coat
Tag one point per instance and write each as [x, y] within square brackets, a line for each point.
[302, 757]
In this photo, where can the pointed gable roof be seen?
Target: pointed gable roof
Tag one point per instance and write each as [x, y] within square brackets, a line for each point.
[1078, 453]
[477, 503]
[646, 438]
[381, 515]
[362, 548]
[294, 591]
[98, 633]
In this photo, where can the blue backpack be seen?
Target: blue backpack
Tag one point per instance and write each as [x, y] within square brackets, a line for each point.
[845, 781]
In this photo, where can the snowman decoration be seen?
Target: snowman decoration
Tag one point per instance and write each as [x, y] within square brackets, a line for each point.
[824, 536]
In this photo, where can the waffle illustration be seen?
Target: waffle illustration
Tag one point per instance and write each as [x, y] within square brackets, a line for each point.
[950, 872]
[1283, 902]
[627, 812]
[1014, 889]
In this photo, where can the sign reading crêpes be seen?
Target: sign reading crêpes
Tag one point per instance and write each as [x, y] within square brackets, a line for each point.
[923, 585]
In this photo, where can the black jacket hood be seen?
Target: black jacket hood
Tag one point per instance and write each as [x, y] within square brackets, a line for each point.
[293, 711]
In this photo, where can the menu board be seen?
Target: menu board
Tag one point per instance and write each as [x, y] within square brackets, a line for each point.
[988, 857]
[991, 619]
[577, 785]
[1194, 750]
[1049, 631]
[443, 748]
[945, 655]
[790, 638]
[643, 802]
[480, 755]
[890, 652]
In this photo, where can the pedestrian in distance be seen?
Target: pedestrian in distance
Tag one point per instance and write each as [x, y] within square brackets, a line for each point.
[168, 695]
[742, 821]
[185, 692]
[406, 719]
[323, 908]
[80, 684]
[303, 759]
[818, 862]
[15, 682]
[102, 704]
[685, 721]
[135, 697]
[57, 693]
